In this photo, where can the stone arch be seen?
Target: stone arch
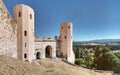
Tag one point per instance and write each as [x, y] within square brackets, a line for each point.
[38, 54]
[48, 51]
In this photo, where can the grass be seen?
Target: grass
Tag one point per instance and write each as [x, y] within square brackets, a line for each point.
[11, 66]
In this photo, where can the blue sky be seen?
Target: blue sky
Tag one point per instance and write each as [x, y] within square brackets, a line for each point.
[92, 19]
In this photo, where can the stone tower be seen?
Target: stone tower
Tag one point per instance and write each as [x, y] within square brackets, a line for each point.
[66, 41]
[24, 18]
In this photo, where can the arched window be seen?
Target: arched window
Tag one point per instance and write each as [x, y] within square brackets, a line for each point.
[25, 55]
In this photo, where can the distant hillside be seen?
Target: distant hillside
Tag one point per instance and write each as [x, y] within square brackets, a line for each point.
[100, 41]
[106, 40]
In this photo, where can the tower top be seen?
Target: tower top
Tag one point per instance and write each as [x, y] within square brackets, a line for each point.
[23, 5]
[66, 23]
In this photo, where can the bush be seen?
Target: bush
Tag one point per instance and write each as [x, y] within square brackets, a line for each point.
[88, 60]
[79, 61]
[104, 59]
[117, 68]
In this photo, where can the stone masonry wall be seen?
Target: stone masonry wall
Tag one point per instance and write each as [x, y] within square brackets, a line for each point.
[24, 18]
[8, 38]
[66, 41]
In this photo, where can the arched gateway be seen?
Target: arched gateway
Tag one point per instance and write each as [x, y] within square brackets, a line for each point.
[38, 55]
[48, 52]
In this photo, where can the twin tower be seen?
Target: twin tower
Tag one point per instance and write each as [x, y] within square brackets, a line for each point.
[24, 18]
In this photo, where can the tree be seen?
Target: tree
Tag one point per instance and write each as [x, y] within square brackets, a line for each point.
[104, 59]
[76, 51]
[117, 54]
[79, 52]
[88, 60]
[117, 69]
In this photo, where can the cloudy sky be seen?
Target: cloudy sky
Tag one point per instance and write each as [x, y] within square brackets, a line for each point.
[92, 19]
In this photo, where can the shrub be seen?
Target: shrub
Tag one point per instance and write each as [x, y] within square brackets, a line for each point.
[79, 61]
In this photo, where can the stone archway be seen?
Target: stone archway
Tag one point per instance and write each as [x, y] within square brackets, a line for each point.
[38, 55]
[48, 52]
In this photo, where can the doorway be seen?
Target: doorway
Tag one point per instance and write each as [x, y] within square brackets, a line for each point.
[48, 52]
[38, 55]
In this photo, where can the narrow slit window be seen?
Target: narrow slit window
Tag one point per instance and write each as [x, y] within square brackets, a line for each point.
[30, 16]
[25, 44]
[19, 14]
[62, 28]
[65, 37]
[68, 27]
[60, 37]
[25, 33]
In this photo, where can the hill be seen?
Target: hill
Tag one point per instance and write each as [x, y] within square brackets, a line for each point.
[99, 41]
[11, 66]
[105, 40]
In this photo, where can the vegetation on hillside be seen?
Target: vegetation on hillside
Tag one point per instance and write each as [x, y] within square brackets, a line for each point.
[104, 59]
[97, 57]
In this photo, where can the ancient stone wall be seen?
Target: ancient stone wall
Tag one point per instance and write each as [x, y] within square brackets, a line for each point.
[8, 38]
